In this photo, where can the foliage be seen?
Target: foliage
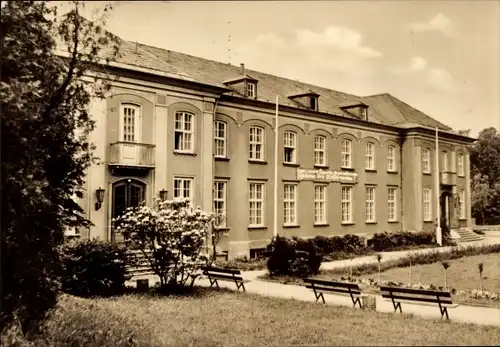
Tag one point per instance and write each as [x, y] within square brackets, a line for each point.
[244, 264]
[45, 152]
[172, 238]
[294, 257]
[93, 268]
[485, 173]
[392, 241]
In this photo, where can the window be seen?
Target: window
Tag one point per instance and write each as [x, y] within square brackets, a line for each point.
[345, 160]
[370, 204]
[220, 139]
[445, 161]
[314, 103]
[391, 207]
[320, 150]
[131, 123]
[391, 158]
[251, 90]
[364, 113]
[256, 143]
[427, 204]
[256, 204]
[290, 142]
[370, 156]
[183, 188]
[461, 204]
[320, 204]
[290, 204]
[346, 204]
[461, 165]
[183, 134]
[426, 160]
[220, 208]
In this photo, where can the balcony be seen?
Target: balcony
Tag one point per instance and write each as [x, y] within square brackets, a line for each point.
[448, 178]
[132, 155]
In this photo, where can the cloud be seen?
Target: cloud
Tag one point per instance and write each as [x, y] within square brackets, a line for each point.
[338, 38]
[418, 64]
[271, 39]
[439, 23]
[442, 79]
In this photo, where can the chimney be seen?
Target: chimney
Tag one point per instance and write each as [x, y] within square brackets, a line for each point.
[242, 66]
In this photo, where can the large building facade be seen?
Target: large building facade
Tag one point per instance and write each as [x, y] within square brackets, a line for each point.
[189, 127]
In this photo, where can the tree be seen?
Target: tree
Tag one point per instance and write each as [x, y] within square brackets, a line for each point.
[480, 267]
[464, 132]
[44, 100]
[485, 170]
[379, 259]
[446, 265]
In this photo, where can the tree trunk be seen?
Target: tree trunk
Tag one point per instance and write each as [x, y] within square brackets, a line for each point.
[379, 274]
[410, 273]
[481, 282]
[446, 279]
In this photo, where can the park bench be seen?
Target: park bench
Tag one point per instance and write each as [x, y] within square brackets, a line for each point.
[418, 296]
[321, 287]
[218, 274]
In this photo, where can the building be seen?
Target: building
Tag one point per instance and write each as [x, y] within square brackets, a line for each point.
[189, 127]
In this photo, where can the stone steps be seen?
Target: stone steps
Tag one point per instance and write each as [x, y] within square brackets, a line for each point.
[467, 235]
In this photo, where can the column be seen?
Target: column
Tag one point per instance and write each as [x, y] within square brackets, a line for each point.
[468, 204]
[206, 152]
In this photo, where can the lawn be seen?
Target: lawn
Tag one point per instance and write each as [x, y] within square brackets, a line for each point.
[462, 274]
[221, 318]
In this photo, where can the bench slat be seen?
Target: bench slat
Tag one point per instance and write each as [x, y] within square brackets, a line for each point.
[413, 298]
[332, 283]
[224, 271]
[441, 294]
[334, 290]
[223, 277]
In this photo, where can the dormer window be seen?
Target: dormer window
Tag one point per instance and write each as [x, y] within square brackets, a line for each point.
[356, 109]
[251, 90]
[308, 99]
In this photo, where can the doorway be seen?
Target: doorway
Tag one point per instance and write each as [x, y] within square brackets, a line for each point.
[126, 193]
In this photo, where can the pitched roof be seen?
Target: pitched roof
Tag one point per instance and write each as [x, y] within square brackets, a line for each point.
[383, 108]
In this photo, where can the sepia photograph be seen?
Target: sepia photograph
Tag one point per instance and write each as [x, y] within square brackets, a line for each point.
[250, 173]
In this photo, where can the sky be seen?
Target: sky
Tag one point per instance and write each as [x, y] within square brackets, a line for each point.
[441, 57]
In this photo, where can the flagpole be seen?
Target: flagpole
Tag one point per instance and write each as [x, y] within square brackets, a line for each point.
[438, 217]
[276, 143]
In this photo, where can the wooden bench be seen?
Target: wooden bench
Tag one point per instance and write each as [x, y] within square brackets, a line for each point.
[218, 274]
[418, 296]
[321, 287]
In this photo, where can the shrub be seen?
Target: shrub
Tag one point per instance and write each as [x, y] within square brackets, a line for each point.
[244, 264]
[93, 268]
[293, 257]
[172, 238]
[393, 241]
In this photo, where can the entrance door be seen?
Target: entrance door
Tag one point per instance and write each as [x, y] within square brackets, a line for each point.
[127, 193]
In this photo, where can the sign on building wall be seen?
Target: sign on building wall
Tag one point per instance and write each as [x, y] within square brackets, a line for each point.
[326, 175]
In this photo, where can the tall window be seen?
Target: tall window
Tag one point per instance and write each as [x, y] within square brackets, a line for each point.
[346, 157]
[256, 142]
[183, 188]
[427, 204]
[426, 160]
[290, 144]
[256, 204]
[391, 158]
[319, 204]
[183, 133]
[220, 139]
[251, 90]
[461, 165]
[461, 204]
[370, 204]
[220, 207]
[314, 103]
[346, 204]
[445, 161]
[391, 204]
[290, 204]
[320, 150]
[370, 156]
[130, 123]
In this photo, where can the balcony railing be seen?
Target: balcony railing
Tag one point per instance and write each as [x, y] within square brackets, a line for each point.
[132, 154]
[447, 178]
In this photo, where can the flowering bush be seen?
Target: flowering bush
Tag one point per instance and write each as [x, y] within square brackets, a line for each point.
[173, 238]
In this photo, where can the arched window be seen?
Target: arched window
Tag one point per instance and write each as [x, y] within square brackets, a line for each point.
[370, 156]
[256, 143]
[130, 123]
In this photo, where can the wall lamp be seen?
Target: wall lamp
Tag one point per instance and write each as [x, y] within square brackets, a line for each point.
[99, 194]
[163, 194]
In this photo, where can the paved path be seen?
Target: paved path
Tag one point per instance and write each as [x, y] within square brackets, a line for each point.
[463, 313]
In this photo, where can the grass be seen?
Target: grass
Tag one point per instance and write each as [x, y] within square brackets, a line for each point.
[221, 318]
[462, 273]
